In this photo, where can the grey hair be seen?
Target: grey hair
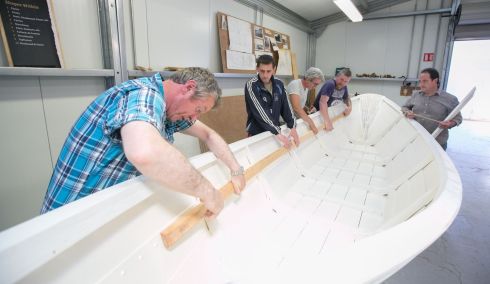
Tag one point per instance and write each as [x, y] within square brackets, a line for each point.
[312, 73]
[206, 84]
[345, 71]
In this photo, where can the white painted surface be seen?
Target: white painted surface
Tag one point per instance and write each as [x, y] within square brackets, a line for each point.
[128, 33]
[140, 35]
[457, 257]
[64, 100]
[178, 34]
[78, 27]
[384, 46]
[37, 114]
[471, 55]
[25, 163]
[311, 9]
[329, 225]
[164, 38]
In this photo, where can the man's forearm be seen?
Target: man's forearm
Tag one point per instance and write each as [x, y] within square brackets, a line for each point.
[160, 161]
[347, 101]
[221, 150]
[308, 120]
[304, 116]
[324, 113]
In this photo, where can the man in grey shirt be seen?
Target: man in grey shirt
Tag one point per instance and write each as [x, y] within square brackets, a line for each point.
[431, 104]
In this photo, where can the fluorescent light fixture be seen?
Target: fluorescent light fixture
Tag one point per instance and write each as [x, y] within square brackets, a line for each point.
[349, 9]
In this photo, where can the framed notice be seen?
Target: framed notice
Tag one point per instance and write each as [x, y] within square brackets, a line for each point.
[241, 42]
[29, 34]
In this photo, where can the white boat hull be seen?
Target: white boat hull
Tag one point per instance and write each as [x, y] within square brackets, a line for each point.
[353, 206]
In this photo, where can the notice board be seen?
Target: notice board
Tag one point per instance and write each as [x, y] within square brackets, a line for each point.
[29, 34]
[241, 42]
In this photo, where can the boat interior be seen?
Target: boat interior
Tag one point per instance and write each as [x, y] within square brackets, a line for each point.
[317, 212]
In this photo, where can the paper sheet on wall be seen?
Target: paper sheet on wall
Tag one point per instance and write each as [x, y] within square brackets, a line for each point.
[240, 35]
[284, 66]
[240, 60]
[259, 53]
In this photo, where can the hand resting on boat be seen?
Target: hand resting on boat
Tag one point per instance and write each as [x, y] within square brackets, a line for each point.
[213, 201]
[348, 109]
[287, 141]
[158, 160]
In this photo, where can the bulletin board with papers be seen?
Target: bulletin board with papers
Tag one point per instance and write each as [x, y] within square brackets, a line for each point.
[241, 42]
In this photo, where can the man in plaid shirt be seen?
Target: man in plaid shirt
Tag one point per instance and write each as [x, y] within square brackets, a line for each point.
[128, 131]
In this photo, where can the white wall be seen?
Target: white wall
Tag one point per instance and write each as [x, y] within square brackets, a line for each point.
[35, 117]
[180, 33]
[162, 38]
[25, 163]
[384, 46]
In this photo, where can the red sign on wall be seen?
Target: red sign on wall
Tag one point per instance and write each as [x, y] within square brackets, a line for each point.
[428, 57]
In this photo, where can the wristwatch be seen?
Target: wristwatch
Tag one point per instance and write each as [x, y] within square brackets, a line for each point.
[238, 172]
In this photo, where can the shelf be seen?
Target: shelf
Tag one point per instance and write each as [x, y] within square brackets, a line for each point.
[385, 79]
[166, 74]
[379, 79]
[139, 73]
[60, 72]
[56, 72]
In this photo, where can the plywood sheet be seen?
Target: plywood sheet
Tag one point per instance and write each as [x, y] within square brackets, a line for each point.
[228, 120]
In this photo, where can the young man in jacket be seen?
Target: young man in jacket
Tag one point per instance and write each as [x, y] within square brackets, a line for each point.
[266, 100]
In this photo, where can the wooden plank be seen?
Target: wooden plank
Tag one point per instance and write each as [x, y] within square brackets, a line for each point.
[229, 120]
[294, 65]
[5, 43]
[192, 216]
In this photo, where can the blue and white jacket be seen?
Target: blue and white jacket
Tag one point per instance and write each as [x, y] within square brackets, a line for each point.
[264, 108]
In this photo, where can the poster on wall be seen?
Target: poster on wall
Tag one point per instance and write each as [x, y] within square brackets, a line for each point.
[284, 66]
[29, 34]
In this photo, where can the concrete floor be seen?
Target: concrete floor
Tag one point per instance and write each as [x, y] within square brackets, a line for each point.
[462, 254]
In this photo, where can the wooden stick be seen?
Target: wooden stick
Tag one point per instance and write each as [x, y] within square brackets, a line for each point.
[425, 117]
[194, 215]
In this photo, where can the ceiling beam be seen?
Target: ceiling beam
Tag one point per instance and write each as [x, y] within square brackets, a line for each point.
[406, 14]
[279, 12]
[364, 4]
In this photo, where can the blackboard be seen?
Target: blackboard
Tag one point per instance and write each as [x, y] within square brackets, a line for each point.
[28, 33]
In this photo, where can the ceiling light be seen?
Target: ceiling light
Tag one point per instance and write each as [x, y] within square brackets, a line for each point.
[349, 10]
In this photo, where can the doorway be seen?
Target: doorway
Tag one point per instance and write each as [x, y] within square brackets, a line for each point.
[470, 66]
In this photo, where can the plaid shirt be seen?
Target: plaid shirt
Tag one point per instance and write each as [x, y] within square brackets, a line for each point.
[92, 157]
